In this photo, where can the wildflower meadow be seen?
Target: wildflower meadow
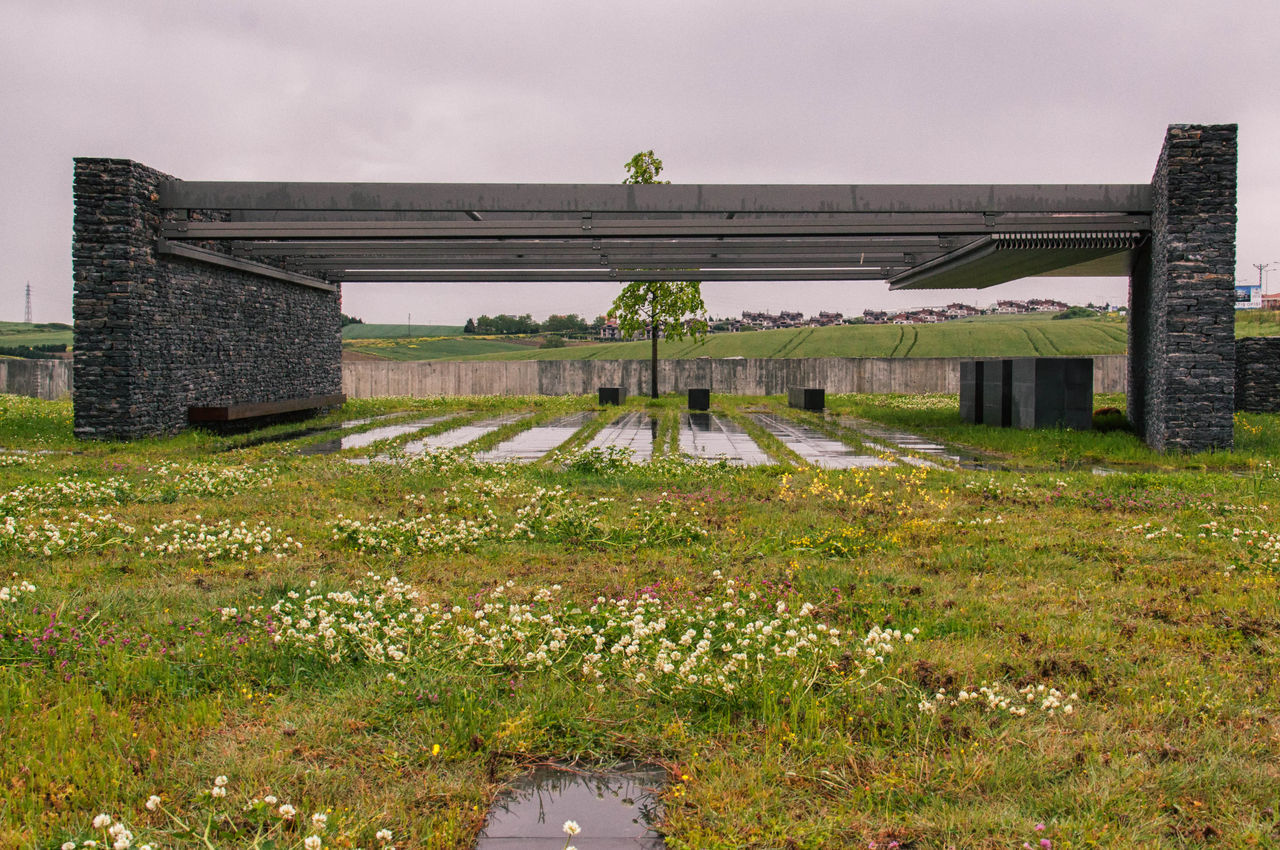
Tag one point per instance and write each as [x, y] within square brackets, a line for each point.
[216, 641]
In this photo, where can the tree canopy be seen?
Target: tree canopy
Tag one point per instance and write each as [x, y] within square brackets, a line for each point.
[673, 309]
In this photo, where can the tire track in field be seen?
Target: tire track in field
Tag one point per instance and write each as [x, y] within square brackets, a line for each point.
[795, 343]
[1027, 333]
[915, 337]
[1048, 341]
[902, 335]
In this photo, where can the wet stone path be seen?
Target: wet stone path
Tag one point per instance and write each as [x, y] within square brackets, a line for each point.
[706, 435]
[365, 438]
[615, 810]
[815, 447]
[528, 446]
[634, 431]
[463, 434]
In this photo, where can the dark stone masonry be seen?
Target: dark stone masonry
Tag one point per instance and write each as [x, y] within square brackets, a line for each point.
[156, 334]
[1182, 347]
[1258, 374]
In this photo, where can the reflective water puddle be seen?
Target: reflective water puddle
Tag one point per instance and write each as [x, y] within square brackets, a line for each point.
[815, 447]
[463, 434]
[616, 809]
[634, 431]
[907, 442]
[706, 435]
[365, 438]
[528, 446]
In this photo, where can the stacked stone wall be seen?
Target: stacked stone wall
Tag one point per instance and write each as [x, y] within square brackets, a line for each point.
[1182, 296]
[156, 334]
[1258, 374]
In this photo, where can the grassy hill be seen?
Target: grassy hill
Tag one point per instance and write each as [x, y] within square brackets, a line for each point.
[24, 333]
[436, 348]
[369, 331]
[994, 336]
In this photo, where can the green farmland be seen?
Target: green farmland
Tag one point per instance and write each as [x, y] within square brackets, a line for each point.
[22, 333]
[210, 642]
[995, 336]
[400, 331]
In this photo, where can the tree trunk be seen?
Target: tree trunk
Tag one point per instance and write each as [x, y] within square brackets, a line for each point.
[653, 361]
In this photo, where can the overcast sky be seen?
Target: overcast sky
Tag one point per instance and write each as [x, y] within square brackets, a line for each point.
[725, 92]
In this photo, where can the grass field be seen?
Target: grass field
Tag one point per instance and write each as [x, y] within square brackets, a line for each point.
[1257, 323]
[400, 331]
[443, 348]
[1011, 336]
[22, 333]
[911, 657]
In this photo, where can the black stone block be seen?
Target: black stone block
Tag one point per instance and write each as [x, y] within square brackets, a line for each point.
[1051, 392]
[807, 398]
[997, 393]
[699, 399]
[612, 395]
[971, 372]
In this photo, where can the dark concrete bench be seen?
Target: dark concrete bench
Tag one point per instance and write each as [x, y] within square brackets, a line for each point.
[807, 398]
[254, 410]
[699, 399]
[1028, 392]
[612, 395]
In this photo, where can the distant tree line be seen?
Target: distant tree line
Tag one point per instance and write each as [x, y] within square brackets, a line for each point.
[33, 352]
[571, 326]
[350, 320]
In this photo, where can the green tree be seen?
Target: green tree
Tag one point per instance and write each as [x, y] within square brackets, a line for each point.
[673, 309]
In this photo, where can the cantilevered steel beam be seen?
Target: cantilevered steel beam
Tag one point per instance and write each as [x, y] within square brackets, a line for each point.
[606, 275]
[713, 199]
[872, 225]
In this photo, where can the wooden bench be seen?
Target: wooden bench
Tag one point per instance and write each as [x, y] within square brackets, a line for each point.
[251, 410]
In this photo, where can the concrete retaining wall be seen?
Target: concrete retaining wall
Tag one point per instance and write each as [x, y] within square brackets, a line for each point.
[372, 379]
[46, 379]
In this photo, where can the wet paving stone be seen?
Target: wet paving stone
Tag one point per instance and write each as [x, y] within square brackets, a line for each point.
[706, 435]
[615, 808]
[365, 438]
[463, 434]
[528, 446]
[816, 448]
[932, 454]
[634, 431]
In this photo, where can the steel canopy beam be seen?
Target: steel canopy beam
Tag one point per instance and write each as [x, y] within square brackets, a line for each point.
[713, 199]
[874, 225]
[606, 275]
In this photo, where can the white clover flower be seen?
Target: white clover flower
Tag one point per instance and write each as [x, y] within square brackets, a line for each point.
[312, 842]
[270, 799]
[320, 820]
[287, 811]
[102, 821]
[220, 781]
[153, 803]
[571, 827]
[218, 791]
[68, 845]
[383, 835]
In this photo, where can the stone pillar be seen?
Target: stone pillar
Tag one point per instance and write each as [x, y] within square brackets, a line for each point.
[1182, 296]
[157, 334]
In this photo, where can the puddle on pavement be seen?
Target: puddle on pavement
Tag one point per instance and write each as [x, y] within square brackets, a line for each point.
[634, 431]
[615, 808]
[904, 441]
[815, 447]
[528, 446]
[463, 434]
[708, 436]
[365, 438]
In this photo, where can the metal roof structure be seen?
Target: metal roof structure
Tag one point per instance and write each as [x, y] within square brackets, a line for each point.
[913, 236]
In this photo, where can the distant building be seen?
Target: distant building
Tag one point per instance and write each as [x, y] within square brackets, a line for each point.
[1271, 301]
[609, 331]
